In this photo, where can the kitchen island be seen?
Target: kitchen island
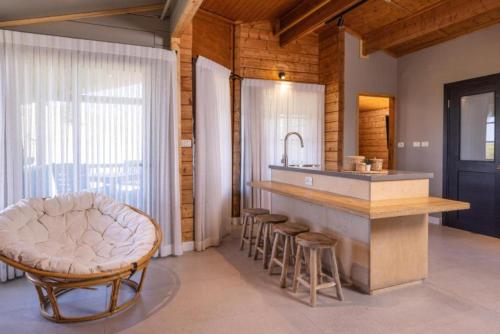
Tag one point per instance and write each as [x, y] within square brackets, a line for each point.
[380, 220]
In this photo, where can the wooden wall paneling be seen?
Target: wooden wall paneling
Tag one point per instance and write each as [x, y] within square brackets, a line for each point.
[258, 55]
[331, 65]
[236, 124]
[212, 39]
[373, 134]
[392, 133]
[261, 56]
[186, 77]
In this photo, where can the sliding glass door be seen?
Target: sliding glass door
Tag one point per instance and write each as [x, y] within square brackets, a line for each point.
[91, 138]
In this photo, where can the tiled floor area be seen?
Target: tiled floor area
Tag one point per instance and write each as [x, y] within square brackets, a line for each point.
[223, 291]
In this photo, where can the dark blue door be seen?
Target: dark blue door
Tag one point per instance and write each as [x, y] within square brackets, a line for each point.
[472, 153]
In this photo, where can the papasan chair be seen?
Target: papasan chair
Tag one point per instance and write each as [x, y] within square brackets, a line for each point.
[78, 241]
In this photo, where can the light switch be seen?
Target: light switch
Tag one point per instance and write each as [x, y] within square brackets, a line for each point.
[401, 144]
[425, 144]
[186, 143]
[416, 144]
[308, 180]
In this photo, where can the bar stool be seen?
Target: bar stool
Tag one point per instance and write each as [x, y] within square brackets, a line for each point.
[287, 232]
[266, 223]
[316, 243]
[249, 215]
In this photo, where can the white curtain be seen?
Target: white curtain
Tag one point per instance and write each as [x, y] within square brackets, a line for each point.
[269, 110]
[83, 115]
[213, 161]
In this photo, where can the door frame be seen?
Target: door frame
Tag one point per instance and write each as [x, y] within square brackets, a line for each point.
[446, 119]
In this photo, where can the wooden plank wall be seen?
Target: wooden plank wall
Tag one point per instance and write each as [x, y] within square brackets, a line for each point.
[187, 209]
[261, 57]
[331, 66]
[213, 39]
[373, 134]
[253, 52]
[258, 55]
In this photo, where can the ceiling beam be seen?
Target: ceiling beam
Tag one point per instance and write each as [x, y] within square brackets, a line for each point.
[182, 15]
[297, 14]
[317, 19]
[78, 16]
[438, 17]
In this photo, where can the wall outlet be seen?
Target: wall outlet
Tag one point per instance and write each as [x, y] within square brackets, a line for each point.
[186, 143]
[416, 144]
[401, 144]
[425, 144]
[308, 180]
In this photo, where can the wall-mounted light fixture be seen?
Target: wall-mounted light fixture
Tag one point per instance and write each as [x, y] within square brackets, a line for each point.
[282, 75]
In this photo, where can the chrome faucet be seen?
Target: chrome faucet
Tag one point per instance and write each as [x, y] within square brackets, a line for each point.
[284, 160]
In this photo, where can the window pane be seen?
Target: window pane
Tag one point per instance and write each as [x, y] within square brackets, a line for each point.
[477, 127]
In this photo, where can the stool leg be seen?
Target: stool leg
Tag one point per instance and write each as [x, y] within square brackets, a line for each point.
[250, 236]
[320, 267]
[296, 272]
[313, 276]
[336, 276]
[273, 253]
[266, 245]
[243, 231]
[257, 242]
[286, 260]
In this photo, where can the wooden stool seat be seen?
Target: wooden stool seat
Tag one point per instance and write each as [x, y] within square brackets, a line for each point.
[291, 229]
[249, 215]
[271, 218]
[254, 211]
[264, 231]
[316, 244]
[315, 240]
[287, 232]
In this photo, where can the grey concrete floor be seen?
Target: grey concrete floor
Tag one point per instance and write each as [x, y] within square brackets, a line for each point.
[223, 291]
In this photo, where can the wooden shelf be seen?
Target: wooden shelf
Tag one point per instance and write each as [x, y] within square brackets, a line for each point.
[364, 208]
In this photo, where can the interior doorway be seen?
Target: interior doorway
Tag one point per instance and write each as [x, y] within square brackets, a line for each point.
[376, 128]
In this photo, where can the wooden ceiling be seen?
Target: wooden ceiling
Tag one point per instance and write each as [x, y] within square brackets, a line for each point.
[249, 10]
[398, 27]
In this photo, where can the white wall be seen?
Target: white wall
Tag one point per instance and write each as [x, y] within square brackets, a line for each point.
[376, 74]
[421, 79]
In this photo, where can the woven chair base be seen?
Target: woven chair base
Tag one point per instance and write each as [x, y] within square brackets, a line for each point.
[49, 289]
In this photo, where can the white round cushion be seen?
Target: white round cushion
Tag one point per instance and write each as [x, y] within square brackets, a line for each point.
[79, 233]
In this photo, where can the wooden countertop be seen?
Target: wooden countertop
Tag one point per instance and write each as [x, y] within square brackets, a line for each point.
[364, 208]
